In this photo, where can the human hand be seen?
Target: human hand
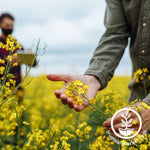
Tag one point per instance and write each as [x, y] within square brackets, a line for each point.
[117, 120]
[91, 81]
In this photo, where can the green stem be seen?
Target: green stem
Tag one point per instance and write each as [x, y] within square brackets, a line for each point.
[88, 101]
[49, 141]
[78, 122]
[18, 122]
[79, 146]
[136, 145]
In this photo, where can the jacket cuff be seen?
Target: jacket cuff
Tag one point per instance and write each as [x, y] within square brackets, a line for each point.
[100, 76]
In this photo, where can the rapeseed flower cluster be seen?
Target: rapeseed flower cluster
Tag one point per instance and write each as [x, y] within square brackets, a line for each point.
[140, 74]
[142, 78]
[11, 44]
[79, 134]
[102, 143]
[109, 100]
[76, 90]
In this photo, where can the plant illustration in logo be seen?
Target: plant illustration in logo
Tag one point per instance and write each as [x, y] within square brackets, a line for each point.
[126, 123]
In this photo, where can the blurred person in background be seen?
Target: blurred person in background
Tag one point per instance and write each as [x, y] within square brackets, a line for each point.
[7, 27]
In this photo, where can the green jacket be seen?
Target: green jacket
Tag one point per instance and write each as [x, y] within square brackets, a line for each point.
[124, 20]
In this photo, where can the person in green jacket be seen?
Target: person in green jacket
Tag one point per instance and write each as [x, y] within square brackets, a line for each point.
[124, 20]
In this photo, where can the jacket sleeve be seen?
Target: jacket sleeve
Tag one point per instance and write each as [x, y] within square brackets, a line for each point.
[112, 44]
[147, 99]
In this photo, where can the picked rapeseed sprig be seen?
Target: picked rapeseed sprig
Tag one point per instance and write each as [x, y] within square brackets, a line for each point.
[139, 74]
[76, 90]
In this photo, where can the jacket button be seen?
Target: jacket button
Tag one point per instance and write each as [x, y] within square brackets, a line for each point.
[144, 24]
[143, 51]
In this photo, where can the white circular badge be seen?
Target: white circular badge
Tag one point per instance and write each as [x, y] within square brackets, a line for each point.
[126, 130]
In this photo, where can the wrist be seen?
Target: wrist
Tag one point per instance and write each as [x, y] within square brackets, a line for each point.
[93, 79]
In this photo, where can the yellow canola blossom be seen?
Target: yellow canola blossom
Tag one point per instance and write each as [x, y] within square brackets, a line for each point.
[139, 74]
[2, 61]
[2, 69]
[76, 90]
[135, 122]
[145, 105]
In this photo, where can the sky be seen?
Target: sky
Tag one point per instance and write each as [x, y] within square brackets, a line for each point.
[70, 29]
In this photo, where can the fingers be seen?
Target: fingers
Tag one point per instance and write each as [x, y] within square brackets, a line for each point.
[59, 77]
[117, 120]
[78, 108]
[63, 98]
[58, 93]
[107, 123]
[69, 101]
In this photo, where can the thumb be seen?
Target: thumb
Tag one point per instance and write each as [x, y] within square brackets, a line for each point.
[59, 77]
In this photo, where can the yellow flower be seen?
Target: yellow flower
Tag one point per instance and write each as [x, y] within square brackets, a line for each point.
[69, 135]
[87, 136]
[83, 124]
[64, 138]
[141, 78]
[1, 45]
[15, 64]
[78, 101]
[18, 46]
[124, 143]
[76, 90]
[2, 70]
[79, 133]
[92, 100]
[25, 123]
[66, 145]
[143, 147]
[2, 61]
[7, 83]
[81, 140]
[139, 74]
[145, 105]
[99, 130]
[9, 58]
[139, 108]
[43, 144]
[15, 54]
[11, 133]
[13, 82]
[87, 129]
[135, 122]
[145, 70]
[134, 132]
[137, 80]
